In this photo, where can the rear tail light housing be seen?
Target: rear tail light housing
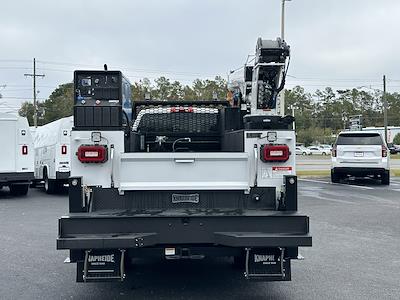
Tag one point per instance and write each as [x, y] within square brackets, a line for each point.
[64, 149]
[92, 153]
[274, 153]
[24, 150]
[384, 151]
[334, 151]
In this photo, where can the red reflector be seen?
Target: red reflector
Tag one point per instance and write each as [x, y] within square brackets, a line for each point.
[274, 153]
[92, 154]
[384, 151]
[334, 151]
[24, 150]
[181, 109]
[63, 149]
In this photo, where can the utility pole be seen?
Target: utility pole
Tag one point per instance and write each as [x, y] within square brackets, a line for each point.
[34, 75]
[283, 20]
[385, 118]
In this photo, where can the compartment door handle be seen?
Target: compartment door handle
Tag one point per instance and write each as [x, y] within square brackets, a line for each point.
[185, 161]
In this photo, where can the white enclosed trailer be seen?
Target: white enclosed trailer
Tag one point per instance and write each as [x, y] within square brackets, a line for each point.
[16, 154]
[52, 153]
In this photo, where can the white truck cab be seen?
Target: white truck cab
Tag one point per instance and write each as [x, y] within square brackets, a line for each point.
[360, 153]
[16, 153]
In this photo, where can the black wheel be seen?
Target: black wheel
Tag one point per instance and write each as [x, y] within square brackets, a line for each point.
[50, 186]
[335, 177]
[323, 153]
[19, 189]
[385, 179]
[304, 153]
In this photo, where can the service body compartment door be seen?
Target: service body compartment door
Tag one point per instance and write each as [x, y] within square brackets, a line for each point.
[183, 171]
[9, 149]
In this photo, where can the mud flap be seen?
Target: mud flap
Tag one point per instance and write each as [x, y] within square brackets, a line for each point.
[267, 264]
[102, 265]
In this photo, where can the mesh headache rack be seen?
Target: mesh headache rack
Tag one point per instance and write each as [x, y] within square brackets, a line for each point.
[177, 119]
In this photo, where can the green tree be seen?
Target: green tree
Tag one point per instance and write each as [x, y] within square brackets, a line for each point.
[139, 89]
[60, 103]
[27, 111]
[396, 139]
[303, 104]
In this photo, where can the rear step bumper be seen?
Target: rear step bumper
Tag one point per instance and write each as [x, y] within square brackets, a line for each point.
[266, 229]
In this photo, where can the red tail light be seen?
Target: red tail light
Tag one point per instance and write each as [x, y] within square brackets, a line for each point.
[334, 151]
[181, 109]
[63, 149]
[92, 154]
[384, 151]
[274, 153]
[24, 150]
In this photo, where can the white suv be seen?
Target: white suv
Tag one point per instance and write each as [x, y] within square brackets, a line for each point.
[360, 153]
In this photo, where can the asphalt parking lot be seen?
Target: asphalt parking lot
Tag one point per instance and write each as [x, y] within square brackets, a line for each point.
[356, 237]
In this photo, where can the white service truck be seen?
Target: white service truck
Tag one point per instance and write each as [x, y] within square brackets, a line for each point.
[183, 179]
[16, 154]
[52, 154]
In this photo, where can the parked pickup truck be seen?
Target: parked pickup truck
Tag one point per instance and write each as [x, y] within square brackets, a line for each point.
[182, 179]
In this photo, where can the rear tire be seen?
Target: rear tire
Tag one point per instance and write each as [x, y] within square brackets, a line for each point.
[50, 186]
[19, 189]
[385, 180]
[304, 153]
[335, 177]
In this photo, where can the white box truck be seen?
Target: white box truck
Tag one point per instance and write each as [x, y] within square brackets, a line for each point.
[16, 154]
[52, 157]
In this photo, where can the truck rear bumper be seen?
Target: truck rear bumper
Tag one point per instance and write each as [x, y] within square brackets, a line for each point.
[62, 175]
[359, 171]
[16, 177]
[245, 229]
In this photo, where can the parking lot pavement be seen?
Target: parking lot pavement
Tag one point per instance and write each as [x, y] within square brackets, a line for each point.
[355, 253]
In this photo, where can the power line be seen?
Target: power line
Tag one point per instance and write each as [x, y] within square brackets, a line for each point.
[15, 68]
[20, 98]
[15, 60]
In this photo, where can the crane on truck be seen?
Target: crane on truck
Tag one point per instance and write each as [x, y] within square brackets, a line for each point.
[184, 179]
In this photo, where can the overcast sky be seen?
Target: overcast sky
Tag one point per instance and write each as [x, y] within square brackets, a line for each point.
[339, 43]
